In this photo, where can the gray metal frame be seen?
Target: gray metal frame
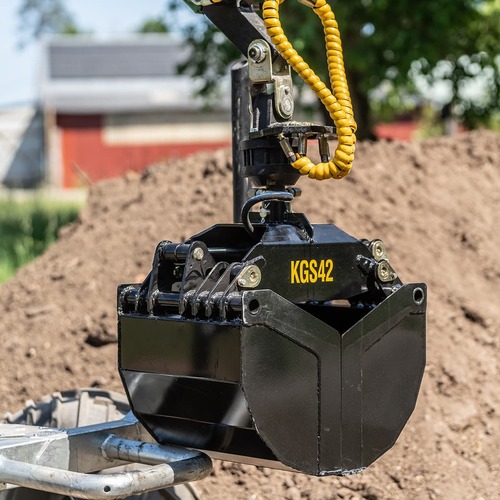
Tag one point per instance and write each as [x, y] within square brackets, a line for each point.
[61, 460]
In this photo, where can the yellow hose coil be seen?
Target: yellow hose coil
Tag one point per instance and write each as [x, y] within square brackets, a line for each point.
[337, 101]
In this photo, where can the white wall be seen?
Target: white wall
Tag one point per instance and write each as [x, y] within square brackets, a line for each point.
[21, 147]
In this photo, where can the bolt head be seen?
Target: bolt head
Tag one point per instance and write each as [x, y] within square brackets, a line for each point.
[378, 250]
[257, 53]
[385, 273]
[253, 277]
[287, 106]
[250, 277]
[177, 272]
[198, 253]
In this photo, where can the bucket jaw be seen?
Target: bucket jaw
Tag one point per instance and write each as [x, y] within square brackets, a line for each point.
[339, 396]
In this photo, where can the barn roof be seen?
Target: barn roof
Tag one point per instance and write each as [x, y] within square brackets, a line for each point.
[82, 74]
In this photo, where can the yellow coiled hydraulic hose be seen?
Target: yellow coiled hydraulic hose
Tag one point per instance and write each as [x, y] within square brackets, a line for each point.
[337, 101]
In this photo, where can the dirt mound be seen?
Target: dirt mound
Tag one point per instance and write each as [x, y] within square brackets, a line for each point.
[435, 205]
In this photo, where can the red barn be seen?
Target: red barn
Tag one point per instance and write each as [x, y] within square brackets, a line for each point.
[111, 106]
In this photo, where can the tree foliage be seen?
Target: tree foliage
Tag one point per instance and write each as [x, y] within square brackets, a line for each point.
[385, 42]
[154, 25]
[39, 17]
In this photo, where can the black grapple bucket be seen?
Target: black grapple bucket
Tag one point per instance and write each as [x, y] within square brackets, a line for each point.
[321, 387]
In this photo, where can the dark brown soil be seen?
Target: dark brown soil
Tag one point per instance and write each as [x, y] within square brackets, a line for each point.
[436, 205]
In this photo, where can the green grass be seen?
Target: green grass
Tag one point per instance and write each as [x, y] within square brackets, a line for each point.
[28, 227]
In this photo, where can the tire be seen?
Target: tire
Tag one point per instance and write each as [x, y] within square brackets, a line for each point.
[77, 408]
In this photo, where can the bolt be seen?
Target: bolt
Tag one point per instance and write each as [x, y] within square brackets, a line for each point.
[178, 272]
[378, 250]
[385, 272]
[198, 253]
[253, 53]
[257, 53]
[250, 277]
[286, 105]
[253, 277]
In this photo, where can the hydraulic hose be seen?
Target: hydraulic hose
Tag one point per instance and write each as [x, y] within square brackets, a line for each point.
[337, 101]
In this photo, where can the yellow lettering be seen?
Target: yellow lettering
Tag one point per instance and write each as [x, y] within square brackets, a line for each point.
[321, 272]
[304, 271]
[329, 267]
[295, 274]
[313, 271]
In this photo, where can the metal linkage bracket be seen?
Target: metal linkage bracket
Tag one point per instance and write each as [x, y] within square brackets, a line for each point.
[60, 461]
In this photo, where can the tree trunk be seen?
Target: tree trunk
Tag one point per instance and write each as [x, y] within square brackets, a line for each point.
[361, 106]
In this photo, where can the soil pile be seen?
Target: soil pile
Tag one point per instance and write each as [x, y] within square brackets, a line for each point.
[434, 203]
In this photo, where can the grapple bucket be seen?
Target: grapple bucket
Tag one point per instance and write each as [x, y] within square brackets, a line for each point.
[246, 374]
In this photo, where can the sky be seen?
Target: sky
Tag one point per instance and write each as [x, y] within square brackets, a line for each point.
[19, 67]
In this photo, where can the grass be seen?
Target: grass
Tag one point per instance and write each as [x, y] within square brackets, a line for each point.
[28, 228]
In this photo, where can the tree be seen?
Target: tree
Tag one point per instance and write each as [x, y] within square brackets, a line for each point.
[153, 25]
[382, 40]
[39, 17]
